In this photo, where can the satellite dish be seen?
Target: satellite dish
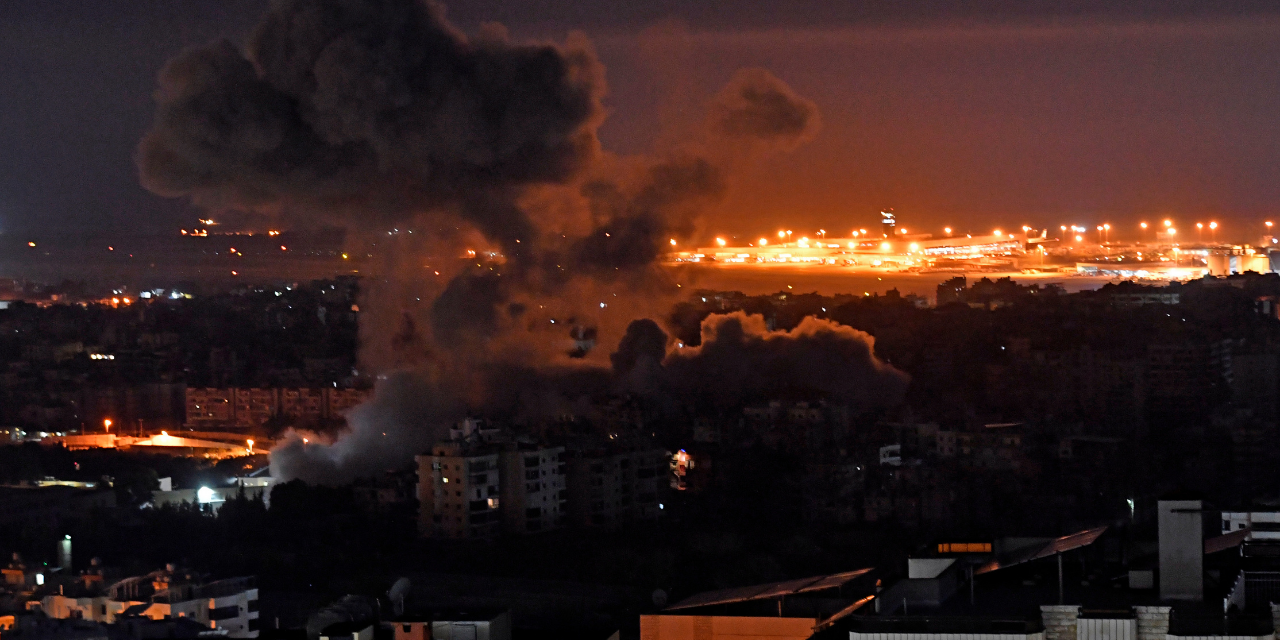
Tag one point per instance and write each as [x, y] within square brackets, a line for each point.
[397, 595]
[659, 598]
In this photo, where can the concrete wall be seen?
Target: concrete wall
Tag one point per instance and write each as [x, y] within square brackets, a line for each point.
[497, 628]
[1181, 527]
[1060, 621]
[1153, 622]
[927, 568]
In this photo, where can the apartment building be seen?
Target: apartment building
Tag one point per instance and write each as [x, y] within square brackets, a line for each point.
[611, 487]
[459, 491]
[246, 408]
[533, 492]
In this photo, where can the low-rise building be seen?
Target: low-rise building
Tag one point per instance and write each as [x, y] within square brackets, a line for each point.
[227, 606]
[789, 610]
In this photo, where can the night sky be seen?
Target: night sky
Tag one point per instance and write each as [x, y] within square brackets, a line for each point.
[961, 113]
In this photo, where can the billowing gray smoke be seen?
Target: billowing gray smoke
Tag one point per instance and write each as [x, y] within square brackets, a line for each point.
[741, 361]
[368, 112]
[371, 108]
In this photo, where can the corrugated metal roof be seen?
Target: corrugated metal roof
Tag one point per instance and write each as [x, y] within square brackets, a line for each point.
[1053, 547]
[843, 613]
[1227, 541]
[770, 590]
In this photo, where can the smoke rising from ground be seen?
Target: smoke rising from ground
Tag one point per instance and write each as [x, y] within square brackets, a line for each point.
[740, 361]
[368, 113]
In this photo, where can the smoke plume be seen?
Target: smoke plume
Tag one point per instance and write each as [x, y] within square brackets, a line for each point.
[372, 108]
[740, 361]
[758, 108]
[534, 244]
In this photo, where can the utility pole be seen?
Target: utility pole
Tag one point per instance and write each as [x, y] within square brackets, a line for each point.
[1060, 589]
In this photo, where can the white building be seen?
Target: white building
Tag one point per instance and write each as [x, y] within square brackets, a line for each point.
[1262, 525]
[229, 605]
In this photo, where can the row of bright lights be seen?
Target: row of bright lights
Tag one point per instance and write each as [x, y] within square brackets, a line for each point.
[1168, 225]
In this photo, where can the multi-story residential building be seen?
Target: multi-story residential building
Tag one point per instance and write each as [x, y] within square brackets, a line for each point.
[533, 493]
[459, 491]
[210, 407]
[303, 404]
[612, 487]
[340, 400]
[253, 407]
[246, 408]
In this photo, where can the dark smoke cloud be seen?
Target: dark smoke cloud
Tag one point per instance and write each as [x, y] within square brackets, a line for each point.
[632, 230]
[741, 361]
[372, 107]
[645, 343]
[364, 112]
[757, 106]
